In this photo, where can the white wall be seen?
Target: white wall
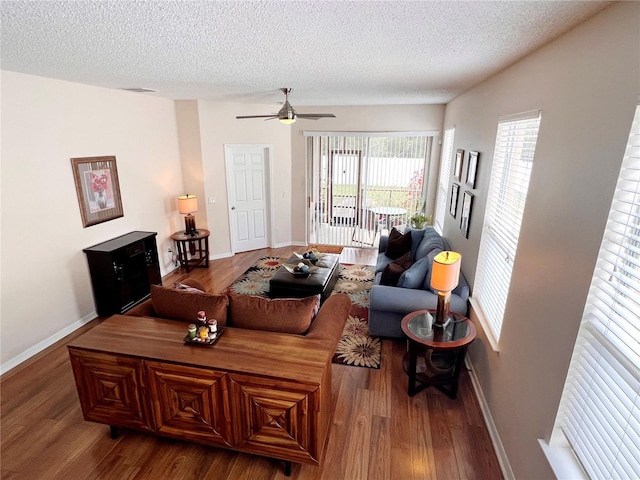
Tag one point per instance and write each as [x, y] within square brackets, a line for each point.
[373, 118]
[45, 280]
[585, 83]
[218, 127]
[188, 121]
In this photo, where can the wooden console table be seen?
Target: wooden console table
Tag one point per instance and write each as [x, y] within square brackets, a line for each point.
[193, 250]
[257, 392]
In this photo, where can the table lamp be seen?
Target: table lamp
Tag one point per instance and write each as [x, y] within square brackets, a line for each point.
[188, 204]
[445, 274]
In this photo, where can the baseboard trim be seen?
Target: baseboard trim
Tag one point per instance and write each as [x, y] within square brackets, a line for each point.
[505, 466]
[218, 256]
[47, 342]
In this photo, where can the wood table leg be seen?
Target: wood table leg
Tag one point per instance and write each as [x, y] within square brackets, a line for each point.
[413, 360]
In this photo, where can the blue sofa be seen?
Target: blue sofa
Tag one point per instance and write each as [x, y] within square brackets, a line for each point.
[388, 305]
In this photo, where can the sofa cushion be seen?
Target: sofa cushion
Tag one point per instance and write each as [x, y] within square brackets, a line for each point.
[398, 244]
[284, 315]
[392, 272]
[184, 305]
[414, 276]
[430, 240]
[416, 238]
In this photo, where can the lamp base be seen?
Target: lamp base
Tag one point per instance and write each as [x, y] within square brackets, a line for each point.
[190, 225]
[442, 313]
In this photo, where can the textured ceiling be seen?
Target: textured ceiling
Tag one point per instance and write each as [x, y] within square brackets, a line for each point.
[329, 52]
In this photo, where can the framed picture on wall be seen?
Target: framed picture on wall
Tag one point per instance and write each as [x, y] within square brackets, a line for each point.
[457, 169]
[453, 204]
[472, 169]
[98, 189]
[465, 216]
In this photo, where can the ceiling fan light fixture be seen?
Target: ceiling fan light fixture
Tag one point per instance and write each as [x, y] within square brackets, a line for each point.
[287, 114]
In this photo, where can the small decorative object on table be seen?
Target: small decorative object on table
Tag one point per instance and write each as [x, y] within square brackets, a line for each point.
[193, 331]
[205, 336]
[312, 255]
[301, 269]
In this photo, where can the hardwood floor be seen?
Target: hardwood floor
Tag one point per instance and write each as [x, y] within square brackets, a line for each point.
[377, 432]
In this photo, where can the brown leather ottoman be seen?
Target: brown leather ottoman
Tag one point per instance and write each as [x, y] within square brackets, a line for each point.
[321, 281]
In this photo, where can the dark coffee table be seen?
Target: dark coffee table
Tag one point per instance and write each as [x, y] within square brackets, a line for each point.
[321, 281]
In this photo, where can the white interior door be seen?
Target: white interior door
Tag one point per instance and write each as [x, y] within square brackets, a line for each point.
[248, 197]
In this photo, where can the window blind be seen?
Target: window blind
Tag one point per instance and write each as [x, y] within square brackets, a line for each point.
[443, 181]
[355, 174]
[513, 157]
[599, 413]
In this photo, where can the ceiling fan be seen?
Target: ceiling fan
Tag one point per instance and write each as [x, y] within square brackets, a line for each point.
[287, 114]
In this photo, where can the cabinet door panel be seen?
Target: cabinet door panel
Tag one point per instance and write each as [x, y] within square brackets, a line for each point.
[275, 418]
[111, 389]
[190, 403]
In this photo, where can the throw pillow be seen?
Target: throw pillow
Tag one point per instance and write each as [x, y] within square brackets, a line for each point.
[416, 238]
[284, 315]
[392, 272]
[430, 240]
[414, 276]
[184, 305]
[427, 279]
[398, 244]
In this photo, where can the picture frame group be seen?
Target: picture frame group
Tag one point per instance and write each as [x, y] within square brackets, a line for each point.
[465, 214]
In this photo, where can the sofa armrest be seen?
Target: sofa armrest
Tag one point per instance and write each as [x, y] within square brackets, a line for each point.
[462, 290]
[382, 246]
[144, 309]
[330, 320]
[406, 300]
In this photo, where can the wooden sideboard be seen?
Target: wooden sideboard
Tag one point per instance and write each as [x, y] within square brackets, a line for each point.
[258, 392]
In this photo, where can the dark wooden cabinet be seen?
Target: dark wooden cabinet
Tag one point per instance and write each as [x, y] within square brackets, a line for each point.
[122, 271]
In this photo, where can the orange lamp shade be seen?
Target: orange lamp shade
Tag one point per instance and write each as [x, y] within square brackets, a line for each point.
[445, 271]
[187, 204]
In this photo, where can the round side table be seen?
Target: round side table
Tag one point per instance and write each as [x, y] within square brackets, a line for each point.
[435, 355]
[193, 250]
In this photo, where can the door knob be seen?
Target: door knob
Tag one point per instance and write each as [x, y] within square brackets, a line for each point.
[233, 208]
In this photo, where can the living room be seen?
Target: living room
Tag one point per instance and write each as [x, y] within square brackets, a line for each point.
[585, 83]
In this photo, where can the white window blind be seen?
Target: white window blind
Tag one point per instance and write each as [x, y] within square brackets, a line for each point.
[512, 161]
[599, 413]
[356, 177]
[443, 181]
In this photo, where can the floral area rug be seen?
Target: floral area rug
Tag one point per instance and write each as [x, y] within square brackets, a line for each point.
[356, 347]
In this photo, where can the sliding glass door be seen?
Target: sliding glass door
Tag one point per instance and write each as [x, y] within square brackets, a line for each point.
[362, 185]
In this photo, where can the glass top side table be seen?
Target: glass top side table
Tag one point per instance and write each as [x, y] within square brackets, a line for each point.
[435, 355]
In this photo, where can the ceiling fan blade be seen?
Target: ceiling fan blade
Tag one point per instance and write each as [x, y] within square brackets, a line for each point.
[257, 116]
[315, 116]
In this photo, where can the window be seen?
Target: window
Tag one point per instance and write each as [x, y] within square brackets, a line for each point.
[362, 183]
[512, 161]
[443, 181]
[599, 415]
